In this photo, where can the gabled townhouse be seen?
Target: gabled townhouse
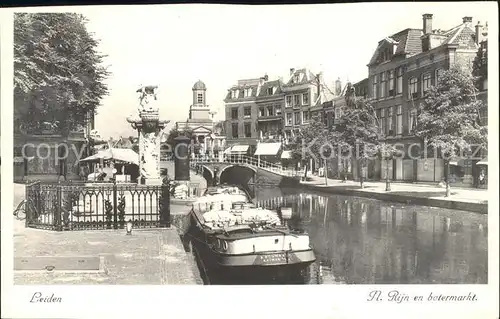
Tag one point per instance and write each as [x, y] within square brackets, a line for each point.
[241, 115]
[403, 66]
[270, 104]
[304, 94]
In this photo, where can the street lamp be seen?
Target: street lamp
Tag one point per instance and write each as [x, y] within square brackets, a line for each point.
[387, 182]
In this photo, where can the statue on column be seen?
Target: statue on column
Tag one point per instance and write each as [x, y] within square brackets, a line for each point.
[150, 130]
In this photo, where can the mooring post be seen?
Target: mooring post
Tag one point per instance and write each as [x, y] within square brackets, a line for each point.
[165, 203]
[57, 217]
[115, 206]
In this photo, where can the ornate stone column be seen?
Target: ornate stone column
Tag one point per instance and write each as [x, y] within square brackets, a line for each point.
[150, 129]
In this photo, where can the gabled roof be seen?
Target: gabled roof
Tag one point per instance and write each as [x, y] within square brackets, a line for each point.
[305, 77]
[201, 129]
[275, 84]
[409, 41]
[241, 92]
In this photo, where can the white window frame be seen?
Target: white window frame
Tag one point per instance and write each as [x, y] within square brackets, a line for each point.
[289, 101]
[270, 107]
[426, 81]
[391, 83]
[289, 119]
[399, 80]
[296, 100]
[390, 120]
[399, 119]
[270, 90]
[383, 82]
[412, 86]
[262, 111]
[244, 111]
[383, 120]
[437, 74]
[304, 119]
[412, 119]
[306, 100]
[295, 118]
[375, 86]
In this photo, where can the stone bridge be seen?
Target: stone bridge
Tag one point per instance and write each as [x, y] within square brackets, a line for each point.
[244, 170]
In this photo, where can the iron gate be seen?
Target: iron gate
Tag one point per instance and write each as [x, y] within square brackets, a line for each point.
[80, 206]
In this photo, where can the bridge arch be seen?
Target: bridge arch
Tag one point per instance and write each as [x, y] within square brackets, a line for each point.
[237, 174]
[208, 174]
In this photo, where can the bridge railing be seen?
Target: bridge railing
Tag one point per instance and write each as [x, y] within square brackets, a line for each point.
[247, 160]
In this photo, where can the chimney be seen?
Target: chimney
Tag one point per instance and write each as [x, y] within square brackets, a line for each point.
[319, 78]
[292, 70]
[338, 87]
[467, 21]
[427, 23]
[479, 33]
[262, 80]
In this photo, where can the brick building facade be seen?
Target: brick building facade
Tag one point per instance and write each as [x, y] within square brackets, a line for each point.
[242, 113]
[270, 104]
[402, 67]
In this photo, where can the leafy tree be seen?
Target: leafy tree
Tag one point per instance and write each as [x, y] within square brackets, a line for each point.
[449, 119]
[58, 76]
[174, 133]
[312, 142]
[480, 65]
[359, 132]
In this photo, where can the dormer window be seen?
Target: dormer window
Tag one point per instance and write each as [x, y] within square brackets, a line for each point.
[234, 94]
[270, 91]
[296, 78]
[248, 92]
[385, 55]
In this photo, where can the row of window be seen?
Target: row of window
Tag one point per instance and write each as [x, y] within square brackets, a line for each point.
[247, 92]
[297, 118]
[389, 127]
[297, 100]
[200, 98]
[247, 130]
[270, 110]
[390, 83]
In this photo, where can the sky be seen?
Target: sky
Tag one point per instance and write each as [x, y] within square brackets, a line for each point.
[173, 46]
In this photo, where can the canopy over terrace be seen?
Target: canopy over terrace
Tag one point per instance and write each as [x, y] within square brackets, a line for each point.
[237, 150]
[124, 155]
[483, 162]
[268, 149]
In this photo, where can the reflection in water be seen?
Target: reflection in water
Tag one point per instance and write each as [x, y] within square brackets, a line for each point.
[364, 241]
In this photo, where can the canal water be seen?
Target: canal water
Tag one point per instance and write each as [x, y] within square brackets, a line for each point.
[366, 241]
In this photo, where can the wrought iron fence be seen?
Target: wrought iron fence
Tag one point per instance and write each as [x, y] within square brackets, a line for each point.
[84, 206]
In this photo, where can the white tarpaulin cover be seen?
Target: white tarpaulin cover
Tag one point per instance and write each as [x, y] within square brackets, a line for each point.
[484, 161]
[268, 149]
[286, 155]
[239, 149]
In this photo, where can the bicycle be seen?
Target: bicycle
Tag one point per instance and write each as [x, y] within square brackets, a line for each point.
[20, 211]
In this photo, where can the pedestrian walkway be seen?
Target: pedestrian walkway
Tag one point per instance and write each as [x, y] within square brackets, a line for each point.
[460, 198]
[148, 256]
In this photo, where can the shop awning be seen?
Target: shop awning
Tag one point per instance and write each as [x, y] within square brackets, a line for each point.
[286, 155]
[239, 149]
[268, 149]
[484, 161]
[117, 154]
